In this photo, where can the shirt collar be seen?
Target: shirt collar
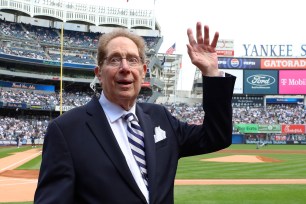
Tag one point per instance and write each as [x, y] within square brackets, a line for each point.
[112, 110]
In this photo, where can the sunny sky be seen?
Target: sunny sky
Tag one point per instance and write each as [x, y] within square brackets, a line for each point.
[245, 22]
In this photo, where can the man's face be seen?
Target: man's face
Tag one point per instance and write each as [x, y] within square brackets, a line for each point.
[121, 79]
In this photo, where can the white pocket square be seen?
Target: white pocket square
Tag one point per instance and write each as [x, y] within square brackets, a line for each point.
[159, 134]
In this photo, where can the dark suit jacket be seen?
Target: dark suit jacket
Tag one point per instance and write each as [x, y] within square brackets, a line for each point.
[83, 163]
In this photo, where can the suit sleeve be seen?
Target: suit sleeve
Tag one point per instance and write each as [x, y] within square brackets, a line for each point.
[56, 178]
[216, 131]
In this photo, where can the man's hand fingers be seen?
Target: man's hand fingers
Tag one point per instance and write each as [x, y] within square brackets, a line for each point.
[206, 35]
[199, 33]
[191, 39]
[215, 40]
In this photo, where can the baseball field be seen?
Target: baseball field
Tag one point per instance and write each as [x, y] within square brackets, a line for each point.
[239, 174]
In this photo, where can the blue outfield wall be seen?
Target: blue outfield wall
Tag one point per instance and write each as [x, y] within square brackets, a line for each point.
[238, 139]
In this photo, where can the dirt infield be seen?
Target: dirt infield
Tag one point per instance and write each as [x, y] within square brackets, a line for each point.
[242, 159]
[25, 174]
[262, 151]
[20, 185]
[17, 185]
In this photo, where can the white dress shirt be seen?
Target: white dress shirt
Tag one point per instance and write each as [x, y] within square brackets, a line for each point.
[114, 115]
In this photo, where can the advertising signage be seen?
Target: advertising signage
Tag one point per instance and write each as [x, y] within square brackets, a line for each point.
[28, 86]
[225, 47]
[258, 128]
[285, 100]
[260, 82]
[293, 129]
[238, 88]
[247, 101]
[269, 128]
[225, 52]
[246, 128]
[283, 63]
[292, 82]
[238, 63]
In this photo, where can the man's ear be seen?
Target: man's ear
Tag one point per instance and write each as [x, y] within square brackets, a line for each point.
[96, 70]
[97, 73]
[144, 72]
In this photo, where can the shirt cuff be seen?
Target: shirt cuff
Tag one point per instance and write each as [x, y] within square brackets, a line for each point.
[221, 74]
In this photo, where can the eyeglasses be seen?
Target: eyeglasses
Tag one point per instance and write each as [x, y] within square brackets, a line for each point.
[115, 61]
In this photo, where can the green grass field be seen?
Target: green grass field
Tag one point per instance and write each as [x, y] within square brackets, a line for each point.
[7, 151]
[292, 165]
[240, 194]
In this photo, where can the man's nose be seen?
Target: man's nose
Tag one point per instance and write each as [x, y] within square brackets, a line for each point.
[124, 64]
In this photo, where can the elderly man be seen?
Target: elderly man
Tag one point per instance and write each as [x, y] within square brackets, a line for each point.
[114, 150]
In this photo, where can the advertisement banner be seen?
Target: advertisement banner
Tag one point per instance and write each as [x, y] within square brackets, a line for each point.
[285, 100]
[269, 128]
[238, 63]
[7, 142]
[238, 88]
[225, 44]
[39, 107]
[260, 82]
[258, 128]
[246, 128]
[283, 63]
[64, 108]
[293, 129]
[292, 82]
[229, 53]
[247, 101]
[28, 86]
[36, 107]
[16, 105]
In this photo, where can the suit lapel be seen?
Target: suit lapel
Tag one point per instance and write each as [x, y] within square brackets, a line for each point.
[147, 126]
[101, 129]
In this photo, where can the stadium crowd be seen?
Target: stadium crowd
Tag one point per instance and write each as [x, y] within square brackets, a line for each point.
[44, 42]
[27, 125]
[272, 114]
[43, 98]
[23, 127]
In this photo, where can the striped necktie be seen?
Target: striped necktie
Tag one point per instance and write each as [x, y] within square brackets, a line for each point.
[136, 140]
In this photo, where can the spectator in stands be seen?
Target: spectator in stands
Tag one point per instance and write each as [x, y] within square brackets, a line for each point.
[87, 156]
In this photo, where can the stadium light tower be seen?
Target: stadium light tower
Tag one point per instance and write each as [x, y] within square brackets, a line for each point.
[61, 74]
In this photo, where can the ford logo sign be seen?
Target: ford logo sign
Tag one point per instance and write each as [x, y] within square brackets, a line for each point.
[261, 80]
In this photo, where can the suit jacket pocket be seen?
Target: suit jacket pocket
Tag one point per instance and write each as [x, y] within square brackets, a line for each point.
[161, 143]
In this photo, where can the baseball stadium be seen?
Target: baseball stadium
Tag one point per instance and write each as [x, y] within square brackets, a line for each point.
[48, 52]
